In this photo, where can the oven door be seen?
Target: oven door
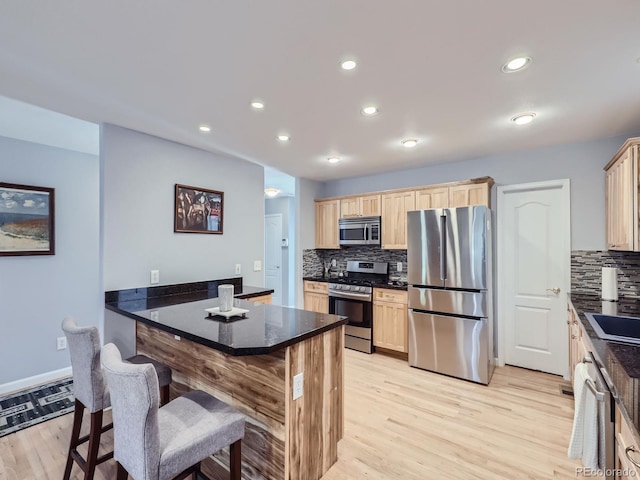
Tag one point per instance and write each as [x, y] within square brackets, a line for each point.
[358, 311]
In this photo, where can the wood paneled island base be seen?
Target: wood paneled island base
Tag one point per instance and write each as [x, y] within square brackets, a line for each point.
[285, 438]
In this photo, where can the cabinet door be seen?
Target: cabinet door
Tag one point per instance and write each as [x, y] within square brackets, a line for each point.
[468, 195]
[370, 206]
[327, 212]
[394, 218]
[432, 198]
[390, 326]
[349, 207]
[620, 198]
[316, 302]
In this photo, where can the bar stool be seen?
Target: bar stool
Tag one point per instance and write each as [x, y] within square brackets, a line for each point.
[91, 392]
[153, 443]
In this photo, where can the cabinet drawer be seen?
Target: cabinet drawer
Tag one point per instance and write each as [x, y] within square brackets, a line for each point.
[318, 287]
[388, 295]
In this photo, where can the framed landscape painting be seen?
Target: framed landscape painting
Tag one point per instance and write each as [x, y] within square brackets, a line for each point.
[26, 220]
[197, 210]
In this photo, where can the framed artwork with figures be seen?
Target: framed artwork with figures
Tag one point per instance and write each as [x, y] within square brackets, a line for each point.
[198, 210]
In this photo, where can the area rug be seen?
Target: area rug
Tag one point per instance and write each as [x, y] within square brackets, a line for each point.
[26, 408]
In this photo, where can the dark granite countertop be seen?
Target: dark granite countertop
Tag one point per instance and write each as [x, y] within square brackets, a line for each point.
[620, 360]
[266, 329]
[390, 286]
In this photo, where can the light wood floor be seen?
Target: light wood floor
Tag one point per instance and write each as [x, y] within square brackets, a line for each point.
[401, 423]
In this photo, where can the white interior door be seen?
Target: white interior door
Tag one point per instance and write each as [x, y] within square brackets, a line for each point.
[534, 262]
[273, 256]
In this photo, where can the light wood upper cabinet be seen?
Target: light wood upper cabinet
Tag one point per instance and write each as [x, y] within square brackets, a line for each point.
[327, 213]
[394, 218]
[621, 198]
[469, 195]
[363, 206]
[432, 197]
[390, 319]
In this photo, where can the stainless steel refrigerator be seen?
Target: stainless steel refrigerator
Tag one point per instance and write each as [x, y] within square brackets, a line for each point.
[450, 292]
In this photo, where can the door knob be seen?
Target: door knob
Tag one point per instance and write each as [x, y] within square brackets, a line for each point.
[555, 290]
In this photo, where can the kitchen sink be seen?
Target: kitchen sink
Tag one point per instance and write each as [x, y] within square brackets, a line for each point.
[614, 327]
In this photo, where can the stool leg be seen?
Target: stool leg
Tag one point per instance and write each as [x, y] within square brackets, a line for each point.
[235, 465]
[75, 434]
[164, 395]
[94, 444]
[122, 473]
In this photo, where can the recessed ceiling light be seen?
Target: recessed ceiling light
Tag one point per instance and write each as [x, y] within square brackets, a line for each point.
[409, 142]
[257, 104]
[348, 64]
[523, 118]
[516, 64]
[271, 192]
[333, 159]
[370, 110]
[284, 138]
[204, 128]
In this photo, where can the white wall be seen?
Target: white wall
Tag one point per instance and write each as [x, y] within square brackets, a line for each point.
[582, 163]
[139, 173]
[37, 292]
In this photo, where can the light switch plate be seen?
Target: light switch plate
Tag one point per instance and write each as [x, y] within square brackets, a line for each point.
[155, 277]
[257, 265]
[238, 269]
[298, 384]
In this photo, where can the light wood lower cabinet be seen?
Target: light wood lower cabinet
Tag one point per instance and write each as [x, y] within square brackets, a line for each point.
[578, 348]
[390, 319]
[625, 439]
[316, 296]
[261, 299]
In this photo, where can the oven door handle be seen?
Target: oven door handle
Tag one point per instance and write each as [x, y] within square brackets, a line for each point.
[354, 296]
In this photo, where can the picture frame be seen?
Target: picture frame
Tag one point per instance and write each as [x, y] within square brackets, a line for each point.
[27, 220]
[198, 210]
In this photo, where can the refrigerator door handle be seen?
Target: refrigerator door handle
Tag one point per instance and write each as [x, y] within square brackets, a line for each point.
[443, 247]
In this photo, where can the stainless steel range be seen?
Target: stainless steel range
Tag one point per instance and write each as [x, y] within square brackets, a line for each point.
[352, 296]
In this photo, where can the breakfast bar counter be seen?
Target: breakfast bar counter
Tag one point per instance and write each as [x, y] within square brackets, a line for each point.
[250, 363]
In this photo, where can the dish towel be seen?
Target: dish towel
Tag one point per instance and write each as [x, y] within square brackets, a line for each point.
[584, 436]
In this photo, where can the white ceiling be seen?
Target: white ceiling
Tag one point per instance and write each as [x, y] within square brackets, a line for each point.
[432, 66]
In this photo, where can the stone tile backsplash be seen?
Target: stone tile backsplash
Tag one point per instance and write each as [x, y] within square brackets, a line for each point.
[586, 271]
[313, 260]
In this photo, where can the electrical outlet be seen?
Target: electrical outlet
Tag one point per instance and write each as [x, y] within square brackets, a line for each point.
[334, 263]
[399, 266]
[257, 265]
[155, 277]
[238, 269]
[61, 343]
[298, 383]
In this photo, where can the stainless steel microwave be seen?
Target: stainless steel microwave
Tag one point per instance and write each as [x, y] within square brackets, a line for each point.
[359, 231]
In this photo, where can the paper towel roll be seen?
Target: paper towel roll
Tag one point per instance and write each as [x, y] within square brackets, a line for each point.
[609, 284]
[225, 296]
[609, 307]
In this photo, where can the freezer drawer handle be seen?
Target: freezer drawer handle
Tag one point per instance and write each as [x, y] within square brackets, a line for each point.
[631, 449]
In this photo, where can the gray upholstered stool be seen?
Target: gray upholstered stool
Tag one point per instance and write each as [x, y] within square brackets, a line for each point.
[90, 391]
[153, 443]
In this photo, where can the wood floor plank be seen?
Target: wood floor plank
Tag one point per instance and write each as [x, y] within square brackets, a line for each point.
[401, 423]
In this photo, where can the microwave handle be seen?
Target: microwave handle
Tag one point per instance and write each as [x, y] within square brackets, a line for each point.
[366, 232]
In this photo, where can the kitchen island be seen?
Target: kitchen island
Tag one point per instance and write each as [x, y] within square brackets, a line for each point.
[250, 363]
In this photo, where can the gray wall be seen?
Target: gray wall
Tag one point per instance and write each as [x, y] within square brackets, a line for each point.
[139, 173]
[37, 292]
[305, 225]
[284, 206]
[582, 163]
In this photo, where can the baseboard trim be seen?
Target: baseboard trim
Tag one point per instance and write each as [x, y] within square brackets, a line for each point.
[34, 381]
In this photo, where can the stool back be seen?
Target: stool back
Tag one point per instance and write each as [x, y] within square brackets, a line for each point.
[135, 402]
[84, 348]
